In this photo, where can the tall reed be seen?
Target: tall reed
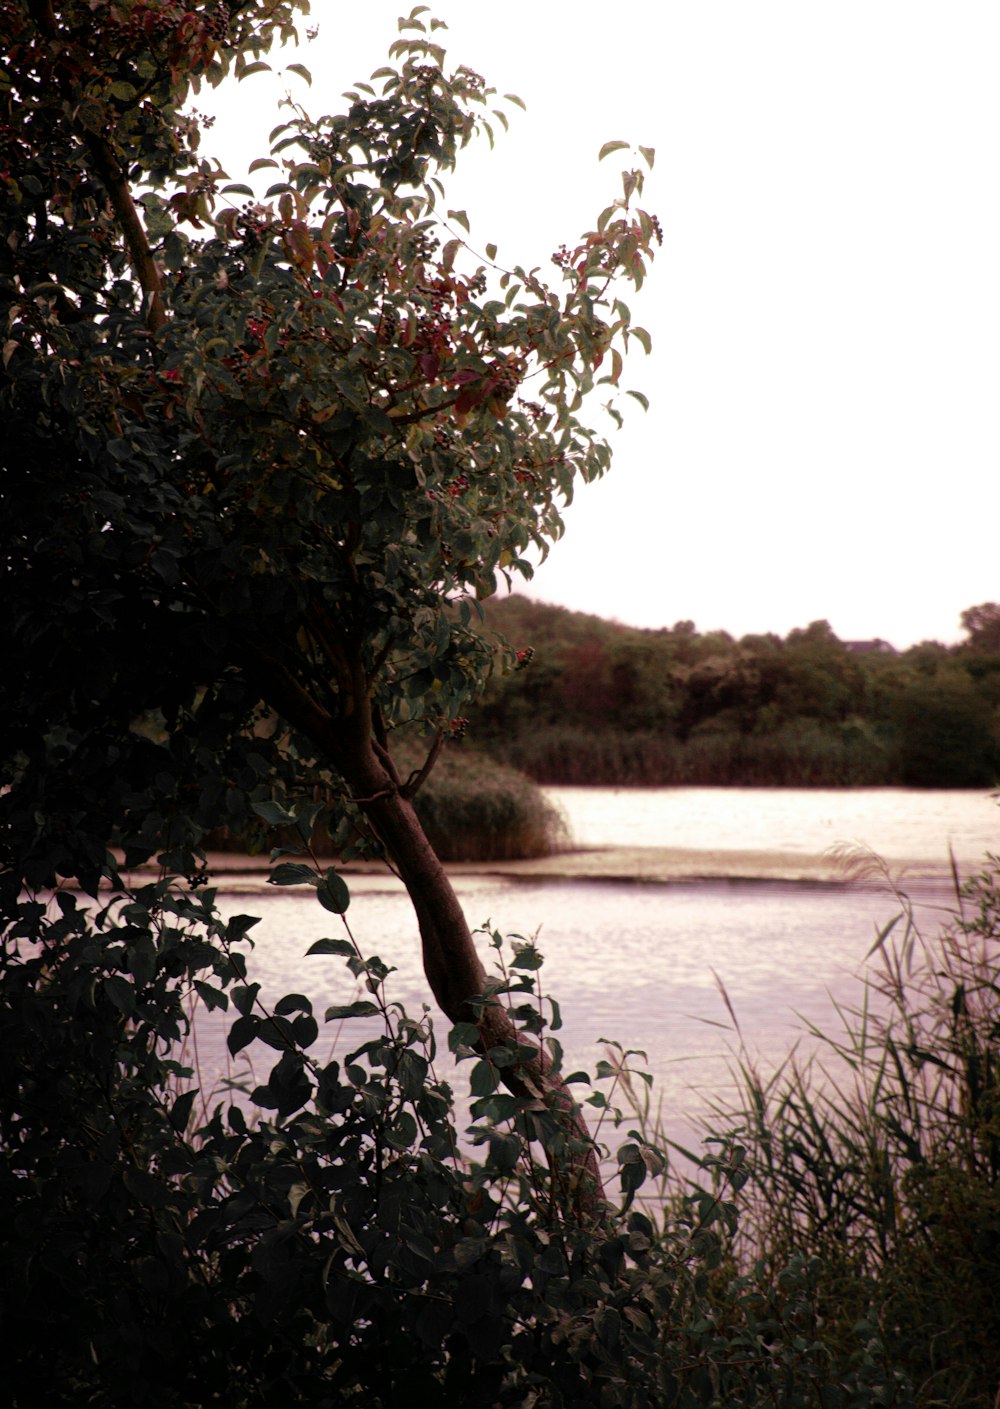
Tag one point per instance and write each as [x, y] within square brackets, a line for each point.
[876, 1162]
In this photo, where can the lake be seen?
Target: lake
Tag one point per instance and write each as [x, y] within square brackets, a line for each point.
[644, 963]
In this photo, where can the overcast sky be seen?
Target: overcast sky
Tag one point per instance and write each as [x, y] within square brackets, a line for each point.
[823, 438]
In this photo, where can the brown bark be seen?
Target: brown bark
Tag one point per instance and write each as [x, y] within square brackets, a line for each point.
[112, 174]
[454, 970]
[109, 170]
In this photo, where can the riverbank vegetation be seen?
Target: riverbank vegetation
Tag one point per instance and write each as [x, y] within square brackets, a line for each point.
[262, 460]
[470, 807]
[336, 1234]
[601, 703]
[877, 1164]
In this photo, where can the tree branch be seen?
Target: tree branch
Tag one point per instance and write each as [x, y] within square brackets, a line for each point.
[112, 177]
[417, 779]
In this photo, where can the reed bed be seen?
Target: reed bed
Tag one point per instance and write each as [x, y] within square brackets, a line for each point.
[875, 1164]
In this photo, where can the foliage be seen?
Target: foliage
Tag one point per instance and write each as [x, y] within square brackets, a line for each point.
[983, 626]
[262, 458]
[474, 809]
[877, 1165]
[604, 703]
[332, 1235]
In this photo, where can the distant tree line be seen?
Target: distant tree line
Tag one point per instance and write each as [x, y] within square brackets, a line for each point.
[608, 704]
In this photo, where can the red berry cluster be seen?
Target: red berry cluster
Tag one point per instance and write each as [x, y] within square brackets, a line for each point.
[506, 377]
[146, 24]
[524, 658]
[434, 330]
[458, 486]
[252, 224]
[423, 245]
[388, 323]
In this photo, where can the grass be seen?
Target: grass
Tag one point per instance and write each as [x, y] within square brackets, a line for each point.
[876, 1163]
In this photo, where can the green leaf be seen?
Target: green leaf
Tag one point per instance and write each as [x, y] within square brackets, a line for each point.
[361, 1009]
[643, 337]
[642, 400]
[258, 67]
[121, 993]
[649, 155]
[261, 162]
[237, 188]
[242, 1032]
[180, 1111]
[460, 218]
[463, 1035]
[276, 1032]
[483, 1079]
[518, 102]
[293, 873]
[332, 893]
[610, 147]
[343, 947]
[141, 959]
[293, 1003]
[145, 1188]
[302, 71]
[211, 997]
[273, 813]
[491, 252]
[244, 997]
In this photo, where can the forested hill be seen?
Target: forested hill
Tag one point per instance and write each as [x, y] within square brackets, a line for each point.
[602, 703]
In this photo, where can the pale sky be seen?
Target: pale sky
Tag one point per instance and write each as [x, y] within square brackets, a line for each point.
[823, 438]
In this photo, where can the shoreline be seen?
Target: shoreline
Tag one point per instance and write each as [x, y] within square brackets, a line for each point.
[637, 866]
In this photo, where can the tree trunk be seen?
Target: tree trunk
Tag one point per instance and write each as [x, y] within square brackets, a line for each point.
[451, 963]
[453, 967]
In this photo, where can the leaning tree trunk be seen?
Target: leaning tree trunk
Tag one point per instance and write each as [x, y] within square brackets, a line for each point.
[452, 965]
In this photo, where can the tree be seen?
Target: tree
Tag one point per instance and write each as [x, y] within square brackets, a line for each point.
[263, 458]
[982, 624]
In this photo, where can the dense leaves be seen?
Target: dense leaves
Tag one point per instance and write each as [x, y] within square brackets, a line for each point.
[262, 458]
[607, 703]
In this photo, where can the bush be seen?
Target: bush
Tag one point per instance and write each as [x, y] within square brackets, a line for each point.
[473, 809]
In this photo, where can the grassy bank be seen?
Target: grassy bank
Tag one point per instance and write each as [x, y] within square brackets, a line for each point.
[798, 755]
[475, 809]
